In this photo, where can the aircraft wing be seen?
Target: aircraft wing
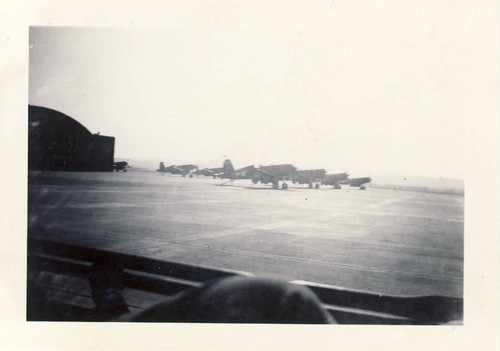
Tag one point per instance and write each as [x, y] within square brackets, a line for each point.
[310, 175]
[332, 179]
[263, 172]
[359, 181]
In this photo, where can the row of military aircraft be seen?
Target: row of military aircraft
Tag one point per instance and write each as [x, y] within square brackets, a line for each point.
[273, 174]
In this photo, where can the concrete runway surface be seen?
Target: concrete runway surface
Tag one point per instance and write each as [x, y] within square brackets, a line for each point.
[385, 241]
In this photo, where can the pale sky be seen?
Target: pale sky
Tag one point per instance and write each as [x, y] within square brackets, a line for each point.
[330, 84]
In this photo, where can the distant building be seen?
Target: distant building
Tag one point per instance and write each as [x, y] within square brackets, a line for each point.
[57, 142]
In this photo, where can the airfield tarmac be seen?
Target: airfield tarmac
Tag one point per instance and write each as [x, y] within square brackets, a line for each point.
[384, 241]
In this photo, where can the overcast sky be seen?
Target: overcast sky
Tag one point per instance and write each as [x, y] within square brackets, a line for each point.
[372, 89]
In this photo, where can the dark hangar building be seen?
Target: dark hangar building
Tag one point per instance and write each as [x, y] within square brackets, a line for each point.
[57, 142]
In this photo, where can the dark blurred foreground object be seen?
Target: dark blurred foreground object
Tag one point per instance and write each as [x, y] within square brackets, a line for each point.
[76, 283]
[236, 299]
[240, 300]
[105, 280]
[57, 142]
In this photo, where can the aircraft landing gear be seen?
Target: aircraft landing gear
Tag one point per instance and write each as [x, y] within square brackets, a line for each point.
[362, 187]
[316, 186]
[284, 186]
[310, 186]
[337, 187]
[276, 185]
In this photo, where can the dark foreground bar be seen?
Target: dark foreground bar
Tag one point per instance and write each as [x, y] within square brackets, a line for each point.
[59, 289]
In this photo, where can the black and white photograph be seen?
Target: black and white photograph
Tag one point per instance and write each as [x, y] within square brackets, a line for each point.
[248, 164]
[189, 182]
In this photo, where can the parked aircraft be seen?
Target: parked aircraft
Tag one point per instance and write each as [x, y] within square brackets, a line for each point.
[161, 168]
[355, 182]
[273, 174]
[264, 174]
[334, 179]
[183, 170]
[309, 177]
[210, 172]
[228, 171]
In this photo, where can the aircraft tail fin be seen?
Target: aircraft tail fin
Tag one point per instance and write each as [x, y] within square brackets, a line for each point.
[228, 170]
[162, 167]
